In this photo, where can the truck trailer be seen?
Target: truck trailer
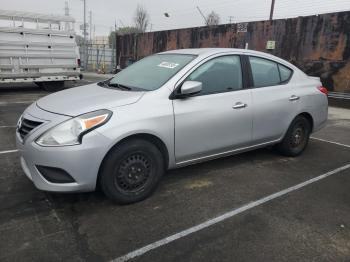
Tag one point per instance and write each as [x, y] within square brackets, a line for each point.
[38, 48]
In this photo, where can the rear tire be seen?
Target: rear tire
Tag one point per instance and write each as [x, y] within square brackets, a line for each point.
[51, 86]
[39, 84]
[131, 171]
[296, 138]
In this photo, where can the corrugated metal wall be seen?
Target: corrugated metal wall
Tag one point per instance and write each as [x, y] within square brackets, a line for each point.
[320, 45]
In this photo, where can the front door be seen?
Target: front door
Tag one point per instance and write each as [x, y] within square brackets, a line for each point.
[219, 118]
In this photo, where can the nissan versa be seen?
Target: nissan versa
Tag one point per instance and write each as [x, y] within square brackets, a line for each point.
[168, 110]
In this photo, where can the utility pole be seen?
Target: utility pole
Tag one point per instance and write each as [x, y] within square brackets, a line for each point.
[205, 19]
[66, 9]
[90, 25]
[114, 50]
[231, 19]
[66, 13]
[84, 32]
[272, 9]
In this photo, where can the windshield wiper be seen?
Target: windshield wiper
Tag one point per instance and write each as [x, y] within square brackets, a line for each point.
[103, 84]
[123, 87]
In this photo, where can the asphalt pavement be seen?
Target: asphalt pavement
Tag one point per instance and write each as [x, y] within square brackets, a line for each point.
[256, 206]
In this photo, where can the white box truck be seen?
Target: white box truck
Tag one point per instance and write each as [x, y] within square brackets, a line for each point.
[38, 48]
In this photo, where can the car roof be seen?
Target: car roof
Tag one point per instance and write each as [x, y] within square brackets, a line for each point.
[205, 52]
[210, 51]
[199, 51]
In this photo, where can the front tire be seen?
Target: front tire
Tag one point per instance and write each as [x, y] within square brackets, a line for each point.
[296, 138]
[131, 171]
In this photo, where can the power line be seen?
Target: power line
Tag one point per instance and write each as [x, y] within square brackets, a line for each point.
[121, 22]
[205, 19]
[220, 5]
[238, 9]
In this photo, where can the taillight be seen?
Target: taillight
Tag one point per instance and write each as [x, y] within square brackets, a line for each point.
[323, 90]
[78, 62]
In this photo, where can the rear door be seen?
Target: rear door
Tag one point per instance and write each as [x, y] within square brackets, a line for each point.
[274, 103]
[219, 118]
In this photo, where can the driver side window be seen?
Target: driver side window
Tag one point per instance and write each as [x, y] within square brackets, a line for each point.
[221, 74]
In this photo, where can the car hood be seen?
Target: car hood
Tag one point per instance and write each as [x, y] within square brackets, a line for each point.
[83, 99]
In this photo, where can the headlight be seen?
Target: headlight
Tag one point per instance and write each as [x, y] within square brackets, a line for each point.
[71, 131]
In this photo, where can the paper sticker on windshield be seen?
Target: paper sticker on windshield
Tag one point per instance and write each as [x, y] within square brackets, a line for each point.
[168, 65]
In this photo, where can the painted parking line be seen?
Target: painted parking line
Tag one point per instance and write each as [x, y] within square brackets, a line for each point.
[230, 214]
[8, 151]
[331, 142]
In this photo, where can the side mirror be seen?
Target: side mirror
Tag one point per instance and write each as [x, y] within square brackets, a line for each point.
[189, 88]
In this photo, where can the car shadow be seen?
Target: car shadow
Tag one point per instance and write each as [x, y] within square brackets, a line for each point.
[190, 172]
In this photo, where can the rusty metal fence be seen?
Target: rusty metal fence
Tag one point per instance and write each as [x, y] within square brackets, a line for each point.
[320, 44]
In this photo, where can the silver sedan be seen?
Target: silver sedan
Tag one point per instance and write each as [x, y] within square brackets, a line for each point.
[167, 110]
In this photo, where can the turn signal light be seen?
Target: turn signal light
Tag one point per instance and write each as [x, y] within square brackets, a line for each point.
[94, 121]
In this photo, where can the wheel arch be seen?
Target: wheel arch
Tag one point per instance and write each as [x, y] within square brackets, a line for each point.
[305, 114]
[145, 136]
[309, 117]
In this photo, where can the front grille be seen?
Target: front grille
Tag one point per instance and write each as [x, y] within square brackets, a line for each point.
[26, 126]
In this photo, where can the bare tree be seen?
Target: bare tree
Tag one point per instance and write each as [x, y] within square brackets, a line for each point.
[212, 19]
[121, 31]
[141, 18]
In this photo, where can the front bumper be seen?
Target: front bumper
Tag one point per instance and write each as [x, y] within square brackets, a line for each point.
[81, 162]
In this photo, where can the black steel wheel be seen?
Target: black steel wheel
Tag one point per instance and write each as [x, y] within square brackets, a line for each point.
[296, 138]
[131, 171]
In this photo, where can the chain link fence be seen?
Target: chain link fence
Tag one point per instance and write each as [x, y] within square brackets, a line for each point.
[100, 58]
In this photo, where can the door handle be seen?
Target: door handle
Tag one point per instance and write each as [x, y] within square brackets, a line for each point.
[239, 105]
[294, 98]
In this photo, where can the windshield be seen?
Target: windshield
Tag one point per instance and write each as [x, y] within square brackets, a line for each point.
[150, 73]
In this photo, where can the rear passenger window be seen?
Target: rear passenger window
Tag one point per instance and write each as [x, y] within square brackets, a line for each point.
[265, 72]
[268, 73]
[285, 73]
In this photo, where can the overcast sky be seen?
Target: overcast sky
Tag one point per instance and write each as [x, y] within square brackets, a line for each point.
[183, 13]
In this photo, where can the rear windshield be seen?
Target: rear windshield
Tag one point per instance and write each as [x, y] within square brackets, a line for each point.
[152, 72]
